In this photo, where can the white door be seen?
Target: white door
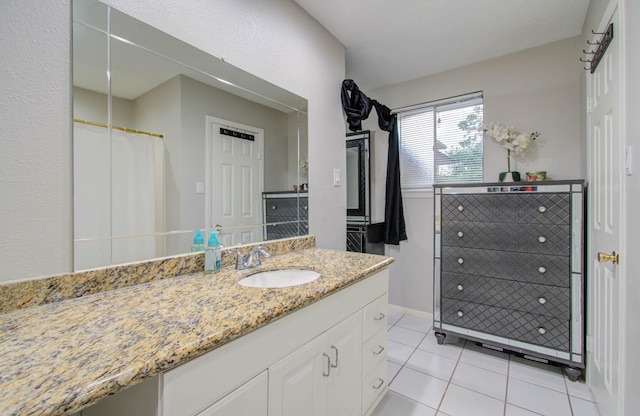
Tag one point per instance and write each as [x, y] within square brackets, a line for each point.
[345, 383]
[605, 212]
[298, 384]
[235, 181]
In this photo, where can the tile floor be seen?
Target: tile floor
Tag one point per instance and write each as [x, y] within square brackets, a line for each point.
[461, 379]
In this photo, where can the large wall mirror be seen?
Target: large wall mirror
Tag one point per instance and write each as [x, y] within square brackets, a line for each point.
[169, 139]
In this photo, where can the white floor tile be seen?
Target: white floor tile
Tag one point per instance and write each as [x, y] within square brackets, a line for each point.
[439, 414]
[538, 399]
[398, 353]
[544, 375]
[518, 411]
[579, 389]
[405, 336]
[459, 401]
[432, 364]
[481, 380]
[452, 347]
[583, 407]
[392, 370]
[417, 324]
[420, 387]
[485, 358]
[395, 405]
[393, 317]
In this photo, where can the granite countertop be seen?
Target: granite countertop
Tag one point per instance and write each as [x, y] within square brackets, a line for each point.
[61, 357]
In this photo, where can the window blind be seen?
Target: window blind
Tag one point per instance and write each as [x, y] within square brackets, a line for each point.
[441, 142]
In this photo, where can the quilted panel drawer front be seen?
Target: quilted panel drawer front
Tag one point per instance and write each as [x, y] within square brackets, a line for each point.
[277, 208]
[527, 297]
[524, 267]
[304, 208]
[535, 208]
[534, 238]
[522, 326]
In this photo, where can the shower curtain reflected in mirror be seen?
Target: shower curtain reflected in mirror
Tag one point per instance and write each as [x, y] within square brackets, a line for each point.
[118, 196]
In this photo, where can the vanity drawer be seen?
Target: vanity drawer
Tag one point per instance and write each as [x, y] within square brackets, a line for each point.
[534, 208]
[374, 351]
[522, 326]
[375, 316]
[524, 267]
[374, 384]
[527, 297]
[533, 238]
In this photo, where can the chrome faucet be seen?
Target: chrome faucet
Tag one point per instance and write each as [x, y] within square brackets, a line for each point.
[256, 253]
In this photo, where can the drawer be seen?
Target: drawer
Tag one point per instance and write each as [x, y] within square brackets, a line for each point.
[375, 316]
[373, 385]
[524, 267]
[535, 208]
[281, 208]
[287, 230]
[527, 297]
[374, 351]
[522, 326]
[533, 238]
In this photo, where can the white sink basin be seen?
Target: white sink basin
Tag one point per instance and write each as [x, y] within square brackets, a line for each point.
[279, 278]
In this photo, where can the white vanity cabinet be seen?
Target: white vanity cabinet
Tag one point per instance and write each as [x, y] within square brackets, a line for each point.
[328, 358]
[323, 378]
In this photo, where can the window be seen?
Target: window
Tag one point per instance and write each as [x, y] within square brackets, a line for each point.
[441, 142]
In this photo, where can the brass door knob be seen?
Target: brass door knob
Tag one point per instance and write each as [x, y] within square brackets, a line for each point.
[604, 257]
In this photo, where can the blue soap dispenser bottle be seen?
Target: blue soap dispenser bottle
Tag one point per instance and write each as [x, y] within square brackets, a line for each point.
[198, 242]
[212, 254]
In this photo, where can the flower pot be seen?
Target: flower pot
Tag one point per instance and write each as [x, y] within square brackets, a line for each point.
[509, 176]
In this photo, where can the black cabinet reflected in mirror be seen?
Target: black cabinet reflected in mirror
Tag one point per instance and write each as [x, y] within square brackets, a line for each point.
[362, 235]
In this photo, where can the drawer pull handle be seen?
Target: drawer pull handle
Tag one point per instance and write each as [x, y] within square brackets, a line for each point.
[460, 260]
[460, 314]
[542, 209]
[542, 269]
[542, 300]
[328, 365]
[380, 317]
[460, 288]
[333, 347]
[380, 384]
[305, 207]
[542, 330]
[379, 350]
[542, 239]
[460, 234]
[460, 208]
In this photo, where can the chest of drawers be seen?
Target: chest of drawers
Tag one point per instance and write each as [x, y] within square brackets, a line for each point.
[508, 268]
[286, 214]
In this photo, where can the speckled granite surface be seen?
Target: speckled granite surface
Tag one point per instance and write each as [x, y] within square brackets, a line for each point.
[27, 293]
[60, 357]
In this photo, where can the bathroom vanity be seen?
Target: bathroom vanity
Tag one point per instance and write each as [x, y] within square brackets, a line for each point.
[509, 268]
[203, 344]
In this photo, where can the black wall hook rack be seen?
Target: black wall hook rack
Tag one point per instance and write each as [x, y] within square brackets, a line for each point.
[603, 44]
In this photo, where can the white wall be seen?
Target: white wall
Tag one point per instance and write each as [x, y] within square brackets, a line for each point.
[35, 131]
[275, 40]
[535, 90]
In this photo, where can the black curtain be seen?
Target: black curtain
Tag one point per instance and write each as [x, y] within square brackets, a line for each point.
[357, 107]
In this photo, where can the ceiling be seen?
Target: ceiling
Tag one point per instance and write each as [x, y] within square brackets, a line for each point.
[388, 42]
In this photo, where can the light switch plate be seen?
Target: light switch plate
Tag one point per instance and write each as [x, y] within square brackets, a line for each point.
[336, 177]
[199, 187]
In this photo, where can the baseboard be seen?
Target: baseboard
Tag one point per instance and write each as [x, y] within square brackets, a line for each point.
[412, 312]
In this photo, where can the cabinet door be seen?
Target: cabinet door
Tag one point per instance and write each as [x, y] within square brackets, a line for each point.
[298, 384]
[345, 381]
[248, 400]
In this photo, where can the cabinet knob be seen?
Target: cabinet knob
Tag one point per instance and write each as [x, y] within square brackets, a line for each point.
[380, 384]
[460, 260]
[542, 269]
[274, 207]
[542, 300]
[542, 330]
[460, 234]
[305, 207]
[542, 239]
[460, 287]
[542, 209]
[460, 314]
[460, 208]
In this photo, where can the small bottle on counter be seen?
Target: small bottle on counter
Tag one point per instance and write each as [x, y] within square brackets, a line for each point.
[198, 242]
[212, 254]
